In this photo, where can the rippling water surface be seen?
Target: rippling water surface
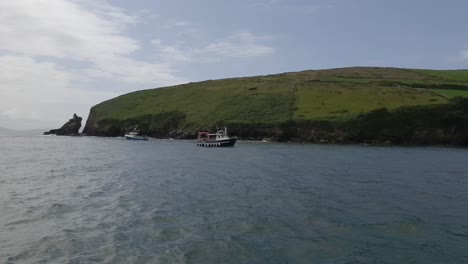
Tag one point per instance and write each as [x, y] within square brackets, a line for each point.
[102, 200]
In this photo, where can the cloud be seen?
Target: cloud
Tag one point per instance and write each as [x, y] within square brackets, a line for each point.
[239, 45]
[172, 54]
[31, 91]
[266, 3]
[88, 31]
[176, 24]
[464, 55]
[52, 53]
[302, 7]
[59, 28]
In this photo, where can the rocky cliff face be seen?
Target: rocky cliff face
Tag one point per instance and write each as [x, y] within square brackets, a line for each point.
[70, 128]
[90, 126]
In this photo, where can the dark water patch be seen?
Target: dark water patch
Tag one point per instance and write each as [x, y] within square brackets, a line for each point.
[459, 232]
[59, 208]
[20, 222]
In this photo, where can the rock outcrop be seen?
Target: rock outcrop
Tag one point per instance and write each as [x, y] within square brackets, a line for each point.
[71, 128]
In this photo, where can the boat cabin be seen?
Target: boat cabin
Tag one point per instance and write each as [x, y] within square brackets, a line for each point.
[207, 136]
[218, 139]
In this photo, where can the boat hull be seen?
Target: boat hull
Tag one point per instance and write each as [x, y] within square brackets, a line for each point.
[136, 138]
[218, 143]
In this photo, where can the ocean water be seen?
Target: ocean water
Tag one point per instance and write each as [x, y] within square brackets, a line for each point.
[107, 200]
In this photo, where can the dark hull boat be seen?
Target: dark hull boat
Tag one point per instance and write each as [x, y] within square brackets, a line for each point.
[218, 143]
[218, 139]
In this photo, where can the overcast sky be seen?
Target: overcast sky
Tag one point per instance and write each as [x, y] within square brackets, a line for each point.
[58, 57]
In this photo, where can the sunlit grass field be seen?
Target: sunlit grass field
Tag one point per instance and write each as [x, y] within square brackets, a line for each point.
[335, 94]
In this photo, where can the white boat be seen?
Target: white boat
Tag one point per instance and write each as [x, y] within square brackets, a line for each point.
[218, 139]
[134, 135]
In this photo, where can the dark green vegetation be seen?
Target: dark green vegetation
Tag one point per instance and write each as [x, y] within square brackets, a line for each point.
[337, 105]
[452, 93]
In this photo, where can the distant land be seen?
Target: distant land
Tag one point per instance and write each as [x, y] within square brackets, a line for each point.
[345, 105]
[11, 132]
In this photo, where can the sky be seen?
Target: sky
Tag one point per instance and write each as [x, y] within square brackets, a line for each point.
[59, 57]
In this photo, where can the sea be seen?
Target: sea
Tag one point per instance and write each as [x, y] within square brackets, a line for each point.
[108, 200]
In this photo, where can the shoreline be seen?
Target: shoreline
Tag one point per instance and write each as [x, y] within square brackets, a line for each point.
[261, 141]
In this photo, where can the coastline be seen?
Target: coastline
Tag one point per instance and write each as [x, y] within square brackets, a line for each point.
[292, 141]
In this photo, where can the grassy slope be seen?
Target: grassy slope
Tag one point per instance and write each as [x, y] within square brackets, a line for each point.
[338, 101]
[450, 75]
[235, 100]
[451, 93]
[335, 94]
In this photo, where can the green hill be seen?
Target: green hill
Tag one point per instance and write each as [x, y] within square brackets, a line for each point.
[265, 103]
